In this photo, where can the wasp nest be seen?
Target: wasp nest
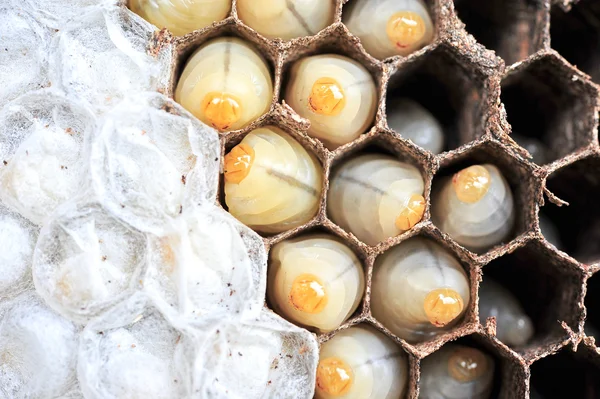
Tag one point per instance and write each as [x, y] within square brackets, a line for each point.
[273, 199]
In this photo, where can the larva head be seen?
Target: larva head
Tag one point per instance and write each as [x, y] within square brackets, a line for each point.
[412, 213]
[238, 163]
[308, 294]
[442, 306]
[221, 109]
[406, 29]
[326, 97]
[472, 183]
[467, 364]
[334, 376]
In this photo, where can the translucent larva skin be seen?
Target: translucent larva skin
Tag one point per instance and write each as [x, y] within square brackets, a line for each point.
[181, 16]
[419, 290]
[331, 270]
[415, 123]
[337, 95]
[390, 27]
[456, 372]
[361, 363]
[269, 161]
[226, 84]
[537, 149]
[375, 197]
[286, 19]
[513, 326]
[484, 216]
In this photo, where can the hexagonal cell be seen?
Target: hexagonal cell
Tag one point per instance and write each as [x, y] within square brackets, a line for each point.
[272, 156]
[421, 291]
[340, 94]
[460, 93]
[567, 374]
[576, 36]
[514, 28]
[502, 380]
[548, 289]
[378, 189]
[518, 174]
[592, 307]
[316, 279]
[545, 101]
[578, 224]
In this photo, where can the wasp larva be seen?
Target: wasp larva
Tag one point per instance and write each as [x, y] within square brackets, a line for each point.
[268, 162]
[337, 95]
[415, 123]
[513, 326]
[390, 27]
[375, 197]
[181, 16]
[419, 290]
[456, 371]
[361, 363]
[286, 19]
[225, 84]
[315, 280]
[475, 207]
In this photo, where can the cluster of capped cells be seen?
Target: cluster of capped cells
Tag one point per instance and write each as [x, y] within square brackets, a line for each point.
[290, 199]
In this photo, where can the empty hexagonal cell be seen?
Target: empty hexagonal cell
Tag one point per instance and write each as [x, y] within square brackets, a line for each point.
[271, 160]
[419, 290]
[548, 291]
[361, 362]
[514, 28]
[452, 93]
[567, 374]
[377, 194]
[546, 103]
[334, 85]
[576, 35]
[578, 224]
[225, 76]
[484, 197]
[592, 307]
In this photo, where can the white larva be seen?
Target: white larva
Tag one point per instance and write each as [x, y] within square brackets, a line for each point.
[315, 281]
[456, 372]
[390, 27]
[513, 326]
[419, 290]
[375, 197]
[286, 19]
[415, 123]
[226, 84]
[475, 207]
[181, 16]
[361, 363]
[269, 161]
[337, 94]
[538, 150]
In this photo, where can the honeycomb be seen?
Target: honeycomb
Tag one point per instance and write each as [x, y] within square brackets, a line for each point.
[494, 67]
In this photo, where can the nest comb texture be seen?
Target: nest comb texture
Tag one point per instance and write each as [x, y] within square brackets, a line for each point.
[122, 190]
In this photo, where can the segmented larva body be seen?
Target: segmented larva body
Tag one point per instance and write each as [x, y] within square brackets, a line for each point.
[337, 94]
[390, 27]
[375, 197]
[361, 363]
[415, 123]
[419, 290]
[181, 16]
[286, 19]
[456, 371]
[315, 281]
[226, 84]
[475, 207]
[513, 326]
[271, 182]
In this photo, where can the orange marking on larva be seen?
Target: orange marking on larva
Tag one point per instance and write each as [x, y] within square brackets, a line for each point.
[405, 29]
[326, 97]
[308, 294]
[221, 110]
[238, 163]
[334, 376]
[412, 213]
[442, 306]
[472, 183]
[467, 364]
